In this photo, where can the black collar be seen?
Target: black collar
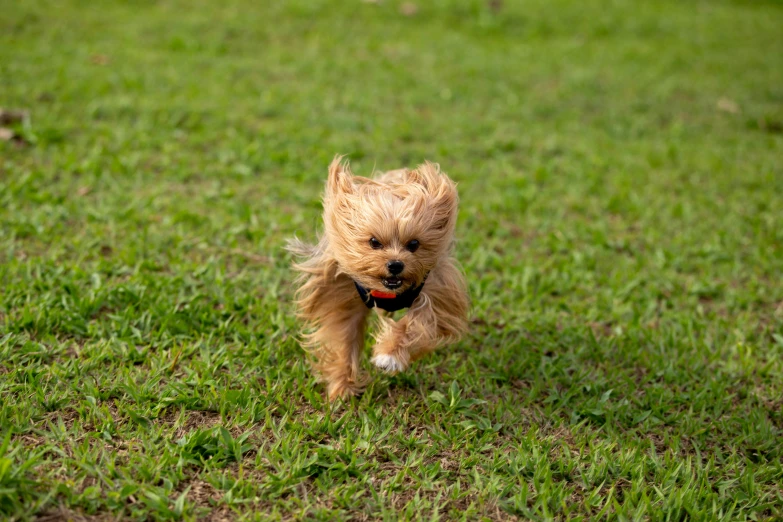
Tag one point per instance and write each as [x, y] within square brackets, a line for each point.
[390, 304]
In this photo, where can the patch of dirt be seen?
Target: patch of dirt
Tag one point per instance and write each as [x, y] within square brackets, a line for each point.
[770, 125]
[222, 514]
[450, 462]
[565, 435]
[62, 513]
[194, 419]
[202, 493]
[498, 326]
[658, 442]
[69, 416]
[488, 511]
[602, 329]
[206, 498]
[29, 440]
[641, 376]
[205, 420]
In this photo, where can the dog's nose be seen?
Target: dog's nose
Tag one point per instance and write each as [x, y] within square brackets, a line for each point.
[395, 267]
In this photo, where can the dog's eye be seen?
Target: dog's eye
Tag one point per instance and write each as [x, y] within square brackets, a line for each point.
[375, 244]
[413, 245]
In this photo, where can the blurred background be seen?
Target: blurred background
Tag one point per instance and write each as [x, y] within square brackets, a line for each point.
[604, 127]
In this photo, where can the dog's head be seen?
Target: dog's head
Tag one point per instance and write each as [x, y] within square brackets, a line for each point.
[387, 234]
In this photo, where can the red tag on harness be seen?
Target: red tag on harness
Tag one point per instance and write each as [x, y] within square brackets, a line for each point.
[382, 295]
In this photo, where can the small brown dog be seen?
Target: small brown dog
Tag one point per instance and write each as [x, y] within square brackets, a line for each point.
[387, 244]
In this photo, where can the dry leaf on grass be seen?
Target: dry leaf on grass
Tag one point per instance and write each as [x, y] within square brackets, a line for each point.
[99, 59]
[9, 116]
[495, 5]
[727, 105]
[10, 135]
[409, 9]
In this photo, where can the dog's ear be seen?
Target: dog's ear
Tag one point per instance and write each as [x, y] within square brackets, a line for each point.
[340, 177]
[441, 191]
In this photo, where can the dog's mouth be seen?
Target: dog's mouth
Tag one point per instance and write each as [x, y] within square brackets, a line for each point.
[392, 283]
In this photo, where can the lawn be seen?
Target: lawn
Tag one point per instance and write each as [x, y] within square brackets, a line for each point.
[621, 173]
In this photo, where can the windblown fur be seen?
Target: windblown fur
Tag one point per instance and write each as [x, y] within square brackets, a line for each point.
[393, 209]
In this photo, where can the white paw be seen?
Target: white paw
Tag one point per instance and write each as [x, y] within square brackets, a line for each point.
[388, 363]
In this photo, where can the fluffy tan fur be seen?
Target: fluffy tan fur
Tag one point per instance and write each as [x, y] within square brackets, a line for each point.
[395, 208]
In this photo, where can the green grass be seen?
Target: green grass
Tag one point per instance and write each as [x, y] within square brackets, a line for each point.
[621, 173]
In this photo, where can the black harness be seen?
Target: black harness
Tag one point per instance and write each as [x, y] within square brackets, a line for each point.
[390, 304]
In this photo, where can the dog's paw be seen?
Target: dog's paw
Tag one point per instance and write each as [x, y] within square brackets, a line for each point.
[343, 390]
[388, 363]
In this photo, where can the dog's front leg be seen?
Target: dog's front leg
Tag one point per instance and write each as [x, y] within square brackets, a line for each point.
[398, 342]
[339, 318]
[341, 337]
[438, 316]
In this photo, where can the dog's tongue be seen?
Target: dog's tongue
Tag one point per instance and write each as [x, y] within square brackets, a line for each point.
[382, 295]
